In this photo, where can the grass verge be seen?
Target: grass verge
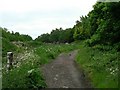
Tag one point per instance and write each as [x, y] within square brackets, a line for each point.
[101, 65]
[27, 72]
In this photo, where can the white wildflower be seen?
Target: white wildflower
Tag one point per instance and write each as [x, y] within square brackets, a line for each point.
[116, 69]
[17, 66]
[110, 69]
[113, 71]
[49, 49]
[30, 71]
[65, 87]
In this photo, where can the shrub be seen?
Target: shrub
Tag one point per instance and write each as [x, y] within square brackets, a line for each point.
[34, 79]
[101, 64]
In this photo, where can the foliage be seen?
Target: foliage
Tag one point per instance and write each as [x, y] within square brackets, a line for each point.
[48, 52]
[8, 40]
[100, 30]
[34, 79]
[104, 21]
[14, 36]
[101, 64]
[26, 73]
[7, 46]
[32, 44]
[100, 26]
[81, 28]
[21, 78]
[57, 36]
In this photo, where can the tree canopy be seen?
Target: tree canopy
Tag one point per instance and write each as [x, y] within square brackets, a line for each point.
[100, 26]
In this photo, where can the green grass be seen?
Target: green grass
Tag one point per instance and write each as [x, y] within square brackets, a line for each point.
[28, 73]
[101, 65]
[25, 75]
[7, 46]
[48, 52]
[99, 62]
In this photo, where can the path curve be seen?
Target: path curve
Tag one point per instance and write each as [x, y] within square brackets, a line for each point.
[63, 73]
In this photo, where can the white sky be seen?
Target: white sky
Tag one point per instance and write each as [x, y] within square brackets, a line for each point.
[35, 17]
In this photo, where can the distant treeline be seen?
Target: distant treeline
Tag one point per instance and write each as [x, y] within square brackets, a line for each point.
[100, 26]
[9, 37]
[14, 36]
[57, 36]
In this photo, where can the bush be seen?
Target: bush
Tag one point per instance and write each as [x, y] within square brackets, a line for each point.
[101, 64]
[34, 79]
[7, 46]
[27, 72]
[95, 39]
[34, 43]
[27, 75]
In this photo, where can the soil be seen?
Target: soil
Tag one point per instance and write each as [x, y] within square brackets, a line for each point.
[63, 72]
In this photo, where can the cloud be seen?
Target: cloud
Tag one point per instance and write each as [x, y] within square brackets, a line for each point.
[42, 25]
[35, 17]
[31, 5]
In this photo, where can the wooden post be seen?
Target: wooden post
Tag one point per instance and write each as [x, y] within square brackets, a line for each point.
[9, 60]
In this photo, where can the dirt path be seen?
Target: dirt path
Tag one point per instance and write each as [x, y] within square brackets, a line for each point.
[63, 73]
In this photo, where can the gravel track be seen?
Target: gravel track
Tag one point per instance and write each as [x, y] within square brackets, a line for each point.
[63, 73]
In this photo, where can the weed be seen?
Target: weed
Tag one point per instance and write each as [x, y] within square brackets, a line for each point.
[101, 64]
[27, 73]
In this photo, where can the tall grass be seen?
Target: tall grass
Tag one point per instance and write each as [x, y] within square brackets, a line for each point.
[101, 63]
[27, 73]
[48, 52]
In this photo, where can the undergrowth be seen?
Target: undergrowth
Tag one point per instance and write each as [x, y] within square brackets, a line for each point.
[100, 62]
[48, 52]
[27, 73]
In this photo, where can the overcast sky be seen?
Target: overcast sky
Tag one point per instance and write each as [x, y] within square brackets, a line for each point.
[35, 17]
